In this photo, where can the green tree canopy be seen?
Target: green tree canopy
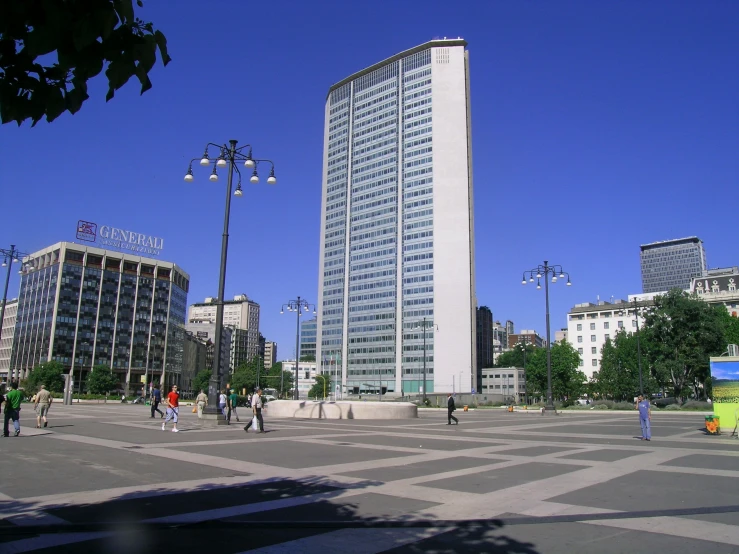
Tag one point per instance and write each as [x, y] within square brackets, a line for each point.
[201, 381]
[87, 36]
[730, 324]
[683, 331]
[618, 377]
[515, 356]
[50, 374]
[322, 388]
[567, 379]
[101, 380]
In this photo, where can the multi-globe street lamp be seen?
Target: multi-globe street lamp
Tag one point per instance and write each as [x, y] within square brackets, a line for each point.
[298, 306]
[9, 258]
[543, 271]
[229, 156]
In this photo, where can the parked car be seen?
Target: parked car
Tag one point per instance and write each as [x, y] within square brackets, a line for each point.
[662, 402]
[268, 398]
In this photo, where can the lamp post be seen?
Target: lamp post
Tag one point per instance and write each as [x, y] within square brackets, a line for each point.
[228, 159]
[425, 325]
[544, 271]
[9, 258]
[298, 306]
[638, 347]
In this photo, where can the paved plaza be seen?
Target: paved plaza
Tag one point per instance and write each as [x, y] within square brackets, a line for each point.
[105, 478]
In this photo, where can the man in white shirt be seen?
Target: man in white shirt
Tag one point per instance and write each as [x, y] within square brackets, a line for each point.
[256, 407]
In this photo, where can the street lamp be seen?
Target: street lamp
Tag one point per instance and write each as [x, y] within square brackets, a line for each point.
[543, 271]
[638, 346]
[9, 258]
[298, 306]
[228, 158]
[425, 325]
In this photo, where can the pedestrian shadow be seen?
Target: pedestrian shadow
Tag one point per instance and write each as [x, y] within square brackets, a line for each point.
[254, 514]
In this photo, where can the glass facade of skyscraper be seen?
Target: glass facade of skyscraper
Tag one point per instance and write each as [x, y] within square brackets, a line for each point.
[377, 256]
[671, 264]
[84, 306]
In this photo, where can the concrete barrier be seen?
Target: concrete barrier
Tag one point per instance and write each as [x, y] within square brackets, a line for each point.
[341, 410]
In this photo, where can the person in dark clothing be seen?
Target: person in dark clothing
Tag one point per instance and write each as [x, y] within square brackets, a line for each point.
[156, 398]
[450, 408]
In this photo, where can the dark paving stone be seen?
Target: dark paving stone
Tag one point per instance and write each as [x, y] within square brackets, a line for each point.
[604, 455]
[203, 498]
[701, 461]
[497, 479]
[292, 455]
[655, 490]
[609, 430]
[56, 466]
[363, 506]
[427, 443]
[533, 451]
[408, 471]
[557, 538]
[727, 518]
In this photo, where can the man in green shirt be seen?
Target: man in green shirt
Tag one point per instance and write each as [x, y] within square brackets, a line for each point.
[13, 410]
[233, 401]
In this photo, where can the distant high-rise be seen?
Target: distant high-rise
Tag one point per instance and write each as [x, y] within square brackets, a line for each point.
[397, 232]
[671, 264]
[485, 342]
[308, 339]
[239, 313]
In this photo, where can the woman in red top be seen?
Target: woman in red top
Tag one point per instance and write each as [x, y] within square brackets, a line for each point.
[173, 408]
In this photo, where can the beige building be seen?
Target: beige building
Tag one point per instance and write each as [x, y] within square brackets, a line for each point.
[270, 354]
[6, 341]
[510, 382]
[239, 313]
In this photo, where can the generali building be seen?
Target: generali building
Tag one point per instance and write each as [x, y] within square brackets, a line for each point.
[85, 306]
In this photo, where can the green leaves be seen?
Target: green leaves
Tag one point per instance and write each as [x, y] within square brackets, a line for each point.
[50, 374]
[86, 36]
[101, 380]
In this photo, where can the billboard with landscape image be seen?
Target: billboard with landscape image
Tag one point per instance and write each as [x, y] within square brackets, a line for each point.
[725, 383]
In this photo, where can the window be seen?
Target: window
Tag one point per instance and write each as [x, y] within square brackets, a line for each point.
[592, 326]
[579, 326]
[579, 338]
[579, 350]
[595, 363]
[633, 323]
[593, 349]
[582, 363]
[607, 336]
[606, 325]
[592, 338]
[620, 324]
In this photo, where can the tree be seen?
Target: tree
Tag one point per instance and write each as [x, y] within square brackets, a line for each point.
[683, 331]
[245, 375]
[50, 374]
[101, 380]
[730, 324]
[322, 388]
[515, 357]
[308, 358]
[278, 379]
[87, 36]
[567, 380]
[202, 380]
[618, 377]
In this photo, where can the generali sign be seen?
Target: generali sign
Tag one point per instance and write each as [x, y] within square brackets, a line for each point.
[123, 239]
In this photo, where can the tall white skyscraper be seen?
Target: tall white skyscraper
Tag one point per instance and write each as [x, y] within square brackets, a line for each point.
[397, 229]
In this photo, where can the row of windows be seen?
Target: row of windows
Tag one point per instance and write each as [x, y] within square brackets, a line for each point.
[369, 167]
[375, 285]
[417, 224]
[372, 307]
[373, 244]
[389, 190]
[375, 184]
[374, 155]
[374, 146]
[372, 296]
[419, 290]
[415, 163]
[375, 254]
[418, 279]
[418, 246]
[417, 257]
[372, 275]
[373, 215]
[416, 172]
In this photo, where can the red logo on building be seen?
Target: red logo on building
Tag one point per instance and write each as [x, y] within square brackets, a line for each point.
[86, 230]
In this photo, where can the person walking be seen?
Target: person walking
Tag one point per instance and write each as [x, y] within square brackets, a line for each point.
[13, 401]
[233, 402]
[201, 402]
[156, 398]
[256, 408]
[450, 407]
[645, 418]
[43, 403]
[223, 403]
[173, 409]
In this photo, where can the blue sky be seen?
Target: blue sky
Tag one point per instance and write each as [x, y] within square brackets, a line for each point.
[597, 126]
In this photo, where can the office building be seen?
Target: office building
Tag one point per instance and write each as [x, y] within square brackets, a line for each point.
[560, 335]
[671, 264]
[500, 337]
[240, 313]
[6, 340]
[509, 382]
[195, 357]
[306, 375]
[206, 331]
[485, 343]
[83, 306]
[589, 325]
[526, 336]
[270, 354]
[396, 225]
[308, 339]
